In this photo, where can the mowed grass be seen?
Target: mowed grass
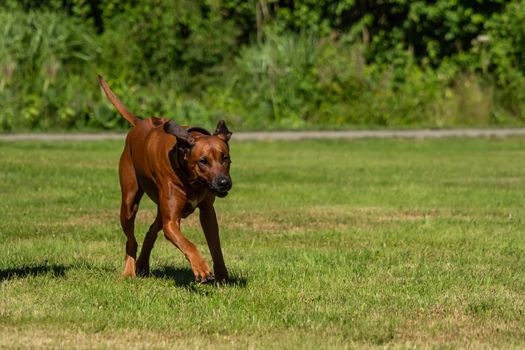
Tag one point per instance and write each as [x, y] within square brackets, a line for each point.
[332, 244]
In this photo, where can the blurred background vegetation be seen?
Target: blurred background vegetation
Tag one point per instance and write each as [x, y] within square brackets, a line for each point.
[263, 64]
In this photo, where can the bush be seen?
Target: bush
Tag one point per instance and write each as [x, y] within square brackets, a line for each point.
[297, 81]
[181, 40]
[44, 60]
[503, 53]
[263, 64]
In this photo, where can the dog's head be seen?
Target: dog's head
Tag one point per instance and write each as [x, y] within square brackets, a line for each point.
[206, 156]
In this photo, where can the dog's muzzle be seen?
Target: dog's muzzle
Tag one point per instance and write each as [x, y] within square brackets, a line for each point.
[221, 186]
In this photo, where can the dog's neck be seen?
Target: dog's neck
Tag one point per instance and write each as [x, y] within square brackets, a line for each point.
[180, 166]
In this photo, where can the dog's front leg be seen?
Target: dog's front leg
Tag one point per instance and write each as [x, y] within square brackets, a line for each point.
[170, 210]
[210, 227]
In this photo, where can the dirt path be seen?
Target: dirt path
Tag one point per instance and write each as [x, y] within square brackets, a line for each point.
[287, 135]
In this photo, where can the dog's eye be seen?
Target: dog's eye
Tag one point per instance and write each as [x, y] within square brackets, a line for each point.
[225, 158]
[203, 161]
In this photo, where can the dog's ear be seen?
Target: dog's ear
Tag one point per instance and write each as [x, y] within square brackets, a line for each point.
[184, 138]
[222, 131]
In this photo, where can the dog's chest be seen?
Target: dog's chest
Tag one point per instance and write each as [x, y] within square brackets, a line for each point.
[189, 207]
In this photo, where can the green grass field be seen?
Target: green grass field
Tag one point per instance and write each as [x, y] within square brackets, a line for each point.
[332, 244]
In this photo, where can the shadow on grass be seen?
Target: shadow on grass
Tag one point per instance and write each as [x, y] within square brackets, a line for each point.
[53, 270]
[183, 277]
[56, 270]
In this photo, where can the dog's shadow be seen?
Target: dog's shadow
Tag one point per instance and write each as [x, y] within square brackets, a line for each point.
[56, 270]
[183, 277]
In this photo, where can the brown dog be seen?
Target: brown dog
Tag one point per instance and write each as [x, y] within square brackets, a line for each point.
[180, 169]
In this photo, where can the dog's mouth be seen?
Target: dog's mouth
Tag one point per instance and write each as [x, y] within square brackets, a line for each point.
[221, 193]
[218, 189]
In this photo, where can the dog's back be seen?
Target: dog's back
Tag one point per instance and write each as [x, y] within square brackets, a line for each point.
[145, 142]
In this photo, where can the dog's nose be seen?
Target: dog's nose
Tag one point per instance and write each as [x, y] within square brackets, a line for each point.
[224, 183]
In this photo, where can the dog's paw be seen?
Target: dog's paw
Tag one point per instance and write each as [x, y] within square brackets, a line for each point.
[205, 279]
[142, 267]
[202, 272]
[221, 275]
[129, 268]
[143, 271]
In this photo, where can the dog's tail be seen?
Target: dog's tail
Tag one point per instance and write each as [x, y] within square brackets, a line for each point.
[130, 117]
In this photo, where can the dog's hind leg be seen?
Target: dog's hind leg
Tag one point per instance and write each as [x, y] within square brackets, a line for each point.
[149, 241]
[131, 195]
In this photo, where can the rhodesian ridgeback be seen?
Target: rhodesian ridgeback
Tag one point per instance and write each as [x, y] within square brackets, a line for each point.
[180, 169]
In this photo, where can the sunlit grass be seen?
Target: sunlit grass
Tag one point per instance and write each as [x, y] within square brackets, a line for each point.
[331, 243]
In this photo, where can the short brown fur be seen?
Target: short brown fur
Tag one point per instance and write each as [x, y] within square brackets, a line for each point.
[180, 169]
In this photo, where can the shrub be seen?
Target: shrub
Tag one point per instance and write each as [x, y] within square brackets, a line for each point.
[44, 58]
[503, 53]
[298, 81]
[263, 64]
[293, 80]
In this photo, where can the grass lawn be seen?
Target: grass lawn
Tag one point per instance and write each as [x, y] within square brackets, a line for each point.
[332, 244]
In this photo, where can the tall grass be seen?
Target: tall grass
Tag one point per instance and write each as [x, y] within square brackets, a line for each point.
[45, 60]
[297, 81]
[49, 62]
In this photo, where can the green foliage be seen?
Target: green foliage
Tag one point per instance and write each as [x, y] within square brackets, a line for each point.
[263, 64]
[296, 81]
[275, 79]
[504, 54]
[46, 59]
[163, 38]
[431, 31]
